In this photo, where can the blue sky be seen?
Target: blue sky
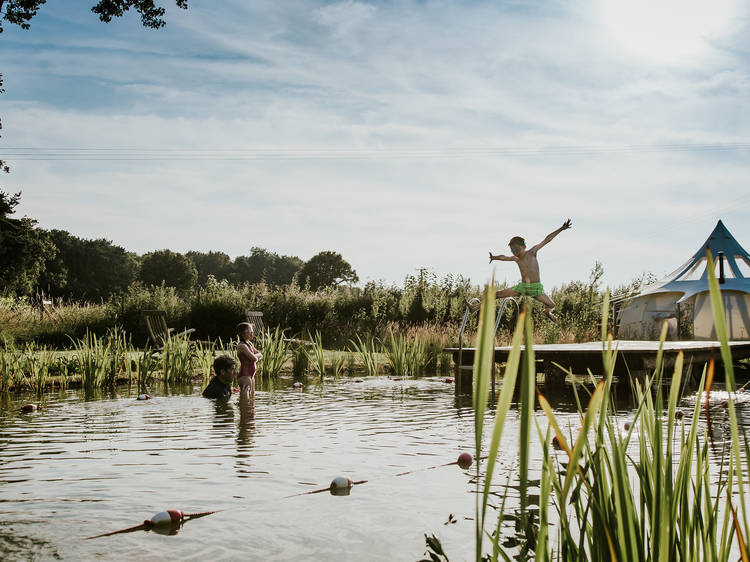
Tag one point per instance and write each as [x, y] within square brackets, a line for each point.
[402, 134]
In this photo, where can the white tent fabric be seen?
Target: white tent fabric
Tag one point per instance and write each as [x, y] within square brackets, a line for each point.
[691, 278]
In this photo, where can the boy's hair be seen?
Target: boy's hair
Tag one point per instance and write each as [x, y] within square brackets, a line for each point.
[517, 240]
[222, 363]
[242, 326]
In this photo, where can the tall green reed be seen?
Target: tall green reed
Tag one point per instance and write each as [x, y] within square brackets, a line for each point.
[316, 353]
[337, 362]
[397, 352]
[177, 360]
[367, 350]
[275, 349]
[93, 356]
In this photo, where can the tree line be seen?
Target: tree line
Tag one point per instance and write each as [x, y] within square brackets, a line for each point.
[60, 264]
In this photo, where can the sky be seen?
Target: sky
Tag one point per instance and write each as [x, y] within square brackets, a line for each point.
[402, 134]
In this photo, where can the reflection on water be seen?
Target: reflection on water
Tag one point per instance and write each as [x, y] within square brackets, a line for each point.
[83, 467]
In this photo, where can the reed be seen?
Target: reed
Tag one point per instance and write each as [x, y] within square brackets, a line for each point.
[177, 360]
[93, 356]
[416, 357]
[337, 363]
[204, 358]
[607, 501]
[368, 354]
[146, 364]
[300, 359]
[316, 353]
[275, 351]
[397, 353]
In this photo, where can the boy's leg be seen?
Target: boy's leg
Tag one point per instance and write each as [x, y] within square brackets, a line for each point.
[549, 303]
[474, 306]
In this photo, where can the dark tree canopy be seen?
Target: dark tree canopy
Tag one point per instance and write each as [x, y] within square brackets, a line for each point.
[87, 269]
[217, 264]
[20, 12]
[170, 268]
[263, 265]
[326, 269]
[23, 249]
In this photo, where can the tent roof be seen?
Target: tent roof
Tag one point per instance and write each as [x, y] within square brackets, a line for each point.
[691, 277]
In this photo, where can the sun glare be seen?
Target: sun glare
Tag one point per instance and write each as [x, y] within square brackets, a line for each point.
[672, 31]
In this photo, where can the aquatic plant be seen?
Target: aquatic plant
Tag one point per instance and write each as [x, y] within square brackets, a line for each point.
[93, 356]
[609, 503]
[204, 357]
[275, 349]
[300, 359]
[146, 365]
[337, 363]
[397, 353]
[367, 350]
[316, 353]
[177, 359]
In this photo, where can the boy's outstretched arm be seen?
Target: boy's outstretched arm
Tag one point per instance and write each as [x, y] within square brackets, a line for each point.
[565, 226]
[500, 257]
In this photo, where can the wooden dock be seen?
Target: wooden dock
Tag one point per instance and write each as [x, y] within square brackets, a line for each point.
[634, 358]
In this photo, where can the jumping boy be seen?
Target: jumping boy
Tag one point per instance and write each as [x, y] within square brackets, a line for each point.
[529, 267]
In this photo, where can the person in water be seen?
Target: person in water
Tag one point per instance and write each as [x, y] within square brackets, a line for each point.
[530, 284]
[249, 357]
[220, 385]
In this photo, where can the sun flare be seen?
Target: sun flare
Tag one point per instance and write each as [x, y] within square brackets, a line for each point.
[671, 31]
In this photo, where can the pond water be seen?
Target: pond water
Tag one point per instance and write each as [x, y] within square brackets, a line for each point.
[83, 467]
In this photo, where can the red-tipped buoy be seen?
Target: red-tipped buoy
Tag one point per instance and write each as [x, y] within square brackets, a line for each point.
[341, 486]
[165, 518]
[144, 397]
[678, 414]
[627, 426]
[29, 408]
[464, 460]
[556, 443]
[448, 380]
[298, 385]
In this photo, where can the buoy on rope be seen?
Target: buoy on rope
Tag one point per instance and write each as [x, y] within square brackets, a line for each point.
[166, 522]
[556, 443]
[678, 414]
[30, 408]
[448, 380]
[298, 385]
[341, 486]
[464, 460]
[627, 426]
[144, 397]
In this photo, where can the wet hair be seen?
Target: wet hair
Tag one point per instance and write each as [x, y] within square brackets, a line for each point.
[517, 240]
[242, 326]
[222, 363]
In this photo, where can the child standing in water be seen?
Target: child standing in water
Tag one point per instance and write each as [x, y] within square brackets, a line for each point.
[530, 284]
[249, 357]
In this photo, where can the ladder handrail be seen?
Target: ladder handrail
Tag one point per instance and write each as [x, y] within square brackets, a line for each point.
[467, 312]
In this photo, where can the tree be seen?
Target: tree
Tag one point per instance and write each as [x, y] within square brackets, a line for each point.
[87, 269]
[23, 249]
[172, 269]
[217, 264]
[326, 269]
[20, 12]
[263, 265]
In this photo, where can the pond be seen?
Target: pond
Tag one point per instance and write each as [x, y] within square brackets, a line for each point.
[83, 467]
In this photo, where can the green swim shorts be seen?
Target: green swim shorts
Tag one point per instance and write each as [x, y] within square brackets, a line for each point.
[529, 289]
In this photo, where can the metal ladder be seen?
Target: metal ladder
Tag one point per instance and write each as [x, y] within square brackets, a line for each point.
[467, 313]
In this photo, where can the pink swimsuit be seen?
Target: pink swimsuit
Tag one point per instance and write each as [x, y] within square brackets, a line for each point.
[247, 367]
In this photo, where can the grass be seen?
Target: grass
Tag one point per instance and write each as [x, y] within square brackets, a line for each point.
[275, 351]
[644, 493]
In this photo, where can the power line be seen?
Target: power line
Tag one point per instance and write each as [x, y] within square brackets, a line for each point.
[306, 153]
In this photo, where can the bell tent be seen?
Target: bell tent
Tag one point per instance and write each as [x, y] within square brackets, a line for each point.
[682, 298]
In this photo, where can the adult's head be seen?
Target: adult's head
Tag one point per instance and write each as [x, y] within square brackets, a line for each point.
[224, 367]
